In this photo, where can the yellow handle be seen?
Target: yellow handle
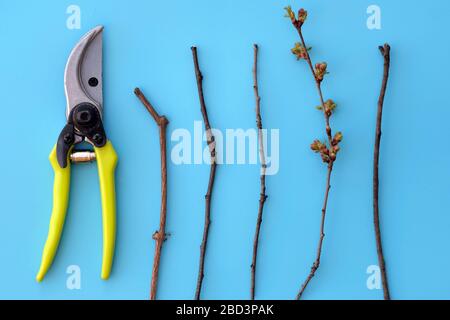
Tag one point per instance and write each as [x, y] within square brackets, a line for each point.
[60, 202]
[106, 161]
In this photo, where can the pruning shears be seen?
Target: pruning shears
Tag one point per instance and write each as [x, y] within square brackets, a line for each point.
[84, 113]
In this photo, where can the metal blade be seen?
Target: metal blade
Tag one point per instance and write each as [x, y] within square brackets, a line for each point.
[83, 74]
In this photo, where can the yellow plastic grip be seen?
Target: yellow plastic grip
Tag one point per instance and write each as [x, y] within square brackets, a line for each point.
[106, 161]
[60, 202]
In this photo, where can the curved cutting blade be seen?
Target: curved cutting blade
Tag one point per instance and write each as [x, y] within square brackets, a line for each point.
[83, 74]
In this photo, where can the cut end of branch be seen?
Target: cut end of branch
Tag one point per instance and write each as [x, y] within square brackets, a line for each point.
[385, 49]
[161, 121]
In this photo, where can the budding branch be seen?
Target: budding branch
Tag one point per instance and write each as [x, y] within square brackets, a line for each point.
[329, 152]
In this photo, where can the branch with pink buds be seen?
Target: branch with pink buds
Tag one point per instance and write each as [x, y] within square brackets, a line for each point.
[327, 149]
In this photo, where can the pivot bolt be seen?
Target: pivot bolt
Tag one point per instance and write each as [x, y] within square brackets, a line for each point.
[68, 138]
[98, 138]
[84, 117]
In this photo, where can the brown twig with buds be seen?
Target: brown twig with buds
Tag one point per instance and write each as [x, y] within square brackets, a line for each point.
[212, 173]
[262, 195]
[328, 150]
[160, 235]
[385, 52]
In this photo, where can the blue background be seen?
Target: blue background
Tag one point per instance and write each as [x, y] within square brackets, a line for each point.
[147, 44]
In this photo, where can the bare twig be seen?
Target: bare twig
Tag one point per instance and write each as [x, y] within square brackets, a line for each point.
[385, 51]
[328, 150]
[262, 195]
[160, 235]
[212, 173]
[316, 263]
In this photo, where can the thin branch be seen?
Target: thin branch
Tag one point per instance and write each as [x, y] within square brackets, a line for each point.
[319, 89]
[160, 235]
[212, 173]
[316, 263]
[385, 52]
[262, 195]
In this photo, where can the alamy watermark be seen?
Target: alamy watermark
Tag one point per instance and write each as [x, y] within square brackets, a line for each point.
[74, 19]
[374, 279]
[374, 19]
[234, 146]
[73, 281]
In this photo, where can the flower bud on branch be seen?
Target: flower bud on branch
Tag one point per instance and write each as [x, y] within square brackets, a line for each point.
[300, 19]
[330, 105]
[300, 51]
[337, 138]
[320, 71]
[302, 15]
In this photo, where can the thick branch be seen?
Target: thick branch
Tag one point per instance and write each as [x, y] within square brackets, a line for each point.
[160, 235]
[212, 173]
[262, 195]
[385, 51]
